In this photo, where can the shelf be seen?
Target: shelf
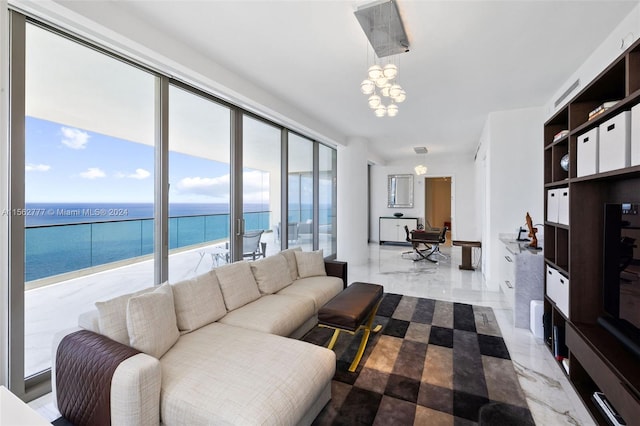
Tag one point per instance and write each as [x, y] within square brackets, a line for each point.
[598, 361]
[620, 174]
[624, 105]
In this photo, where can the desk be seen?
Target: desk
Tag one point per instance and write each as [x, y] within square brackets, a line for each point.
[15, 412]
[466, 253]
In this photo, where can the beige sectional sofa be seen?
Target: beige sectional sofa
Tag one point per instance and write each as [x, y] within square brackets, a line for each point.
[220, 348]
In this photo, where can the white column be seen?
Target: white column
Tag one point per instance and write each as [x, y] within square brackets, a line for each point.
[353, 203]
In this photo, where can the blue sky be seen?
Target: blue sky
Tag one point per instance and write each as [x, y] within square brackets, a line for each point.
[65, 164]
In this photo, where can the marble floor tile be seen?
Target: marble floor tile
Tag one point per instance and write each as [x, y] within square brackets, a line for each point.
[549, 394]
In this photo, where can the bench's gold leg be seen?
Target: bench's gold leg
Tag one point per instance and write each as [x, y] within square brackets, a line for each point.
[365, 338]
[334, 338]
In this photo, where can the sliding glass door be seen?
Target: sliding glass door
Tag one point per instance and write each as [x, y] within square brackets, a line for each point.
[261, 180]
[88, 184]
[199, 183]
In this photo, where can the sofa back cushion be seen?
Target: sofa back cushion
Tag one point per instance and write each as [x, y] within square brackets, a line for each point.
[271, 274]
[289, 254]
[151, 321]
[310, 264]
[198, 302]
[112, 316]
[237, 284]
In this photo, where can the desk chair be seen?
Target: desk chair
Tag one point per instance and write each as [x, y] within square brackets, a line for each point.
[415, 245]
[428, 238]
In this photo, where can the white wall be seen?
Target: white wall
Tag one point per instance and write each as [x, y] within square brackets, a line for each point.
[512, 143]
[463, 209]
[352, 202]
[617, 42]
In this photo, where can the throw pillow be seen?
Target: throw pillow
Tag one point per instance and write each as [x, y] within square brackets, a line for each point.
[310, 264]
[198, 302]
[237, 284]
[112, 316]
[291, 261]
[151, 322]
[271, 274]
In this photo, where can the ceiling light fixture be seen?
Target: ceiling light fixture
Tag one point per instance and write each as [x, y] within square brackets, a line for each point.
[383, 26]
[421, 169]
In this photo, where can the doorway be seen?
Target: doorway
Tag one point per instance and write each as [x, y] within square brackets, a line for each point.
[437, 203]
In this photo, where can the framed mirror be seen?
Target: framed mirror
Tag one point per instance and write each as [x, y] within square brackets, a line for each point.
[400, 190]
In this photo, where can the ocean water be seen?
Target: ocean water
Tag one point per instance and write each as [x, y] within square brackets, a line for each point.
[62, 238]
[65, 237]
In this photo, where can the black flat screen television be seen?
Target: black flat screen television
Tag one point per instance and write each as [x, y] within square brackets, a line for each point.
[621, 277]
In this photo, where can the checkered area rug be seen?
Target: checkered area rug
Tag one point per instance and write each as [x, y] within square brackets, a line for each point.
[433, 363]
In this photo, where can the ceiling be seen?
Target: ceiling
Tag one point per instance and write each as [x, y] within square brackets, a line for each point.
[467, 59]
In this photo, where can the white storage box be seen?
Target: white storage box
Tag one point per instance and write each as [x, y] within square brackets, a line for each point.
[536, 310]
[558, 290]
[552, 205]
[563, 205]
[615, 143]
[587, 153]
[635, 135]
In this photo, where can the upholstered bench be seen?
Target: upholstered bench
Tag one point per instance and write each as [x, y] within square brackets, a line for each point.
[352, 309]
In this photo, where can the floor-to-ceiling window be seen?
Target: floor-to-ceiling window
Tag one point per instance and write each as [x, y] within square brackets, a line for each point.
[88, 181]
[199, 183]
[327, 171]
[97, 144]
[261, 181]
[300, 189]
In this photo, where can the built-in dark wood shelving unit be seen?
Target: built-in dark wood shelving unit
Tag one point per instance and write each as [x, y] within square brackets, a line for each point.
[597, 360]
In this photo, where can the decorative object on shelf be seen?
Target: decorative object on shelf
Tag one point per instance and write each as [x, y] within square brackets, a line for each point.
[420, 169]
[532, 233]
[398, 214]
[564, 162]
[561, 134]
[601, 109]
[383, 26]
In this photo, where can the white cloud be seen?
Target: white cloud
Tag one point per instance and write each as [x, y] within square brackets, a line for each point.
[140, 174]
[37, 167]
[204, 189]
[74, 138]
[255, 186]
[93, 173]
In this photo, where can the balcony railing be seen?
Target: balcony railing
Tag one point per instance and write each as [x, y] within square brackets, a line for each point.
[61, 248]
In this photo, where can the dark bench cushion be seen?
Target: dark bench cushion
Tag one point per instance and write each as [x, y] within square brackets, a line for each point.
[350, 308]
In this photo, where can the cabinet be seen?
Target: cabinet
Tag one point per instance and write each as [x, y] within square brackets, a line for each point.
[573, 250]
[392, 228]
[523, 279]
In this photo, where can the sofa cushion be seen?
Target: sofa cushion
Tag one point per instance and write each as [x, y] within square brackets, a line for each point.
[198, 301]
[151, 321]
[246, 377]
[112, 316]
[289, 254]
[237, 284]
[310, 264]
[319, 289]
[271, 273]
[274, 314]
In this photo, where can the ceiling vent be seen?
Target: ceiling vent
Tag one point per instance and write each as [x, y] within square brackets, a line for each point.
[382, 24]
[566, 93]
[420, 149]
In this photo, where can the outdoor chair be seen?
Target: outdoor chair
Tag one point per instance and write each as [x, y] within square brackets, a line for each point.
[251, 246]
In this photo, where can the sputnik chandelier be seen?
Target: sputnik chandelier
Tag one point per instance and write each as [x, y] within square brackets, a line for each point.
[382, 24]
[384, 92]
